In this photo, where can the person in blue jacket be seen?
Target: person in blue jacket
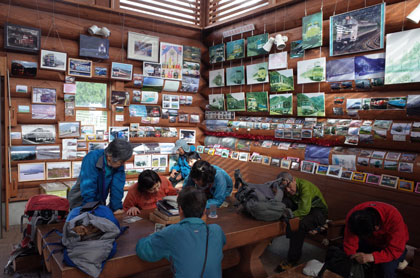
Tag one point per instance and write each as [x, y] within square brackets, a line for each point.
[193, 248]
[213, 180]
[181, 167]
[102, 174]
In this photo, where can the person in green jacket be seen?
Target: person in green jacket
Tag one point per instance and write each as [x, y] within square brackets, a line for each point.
[307, 203]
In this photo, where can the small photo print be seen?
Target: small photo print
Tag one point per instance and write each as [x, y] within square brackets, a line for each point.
[406, 185]
[21, 89]
[373, 179]
[58, 170]
[359, 176]
[389, 181]
[31, 172]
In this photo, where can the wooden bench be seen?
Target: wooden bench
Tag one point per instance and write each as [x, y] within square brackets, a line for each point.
[296, 272]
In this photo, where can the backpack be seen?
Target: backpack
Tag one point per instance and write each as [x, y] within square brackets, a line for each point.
[40, 209]
[88, 249]
[259, 200]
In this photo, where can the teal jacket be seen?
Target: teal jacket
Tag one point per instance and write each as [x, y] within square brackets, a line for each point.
[184, 245]
[182, 165]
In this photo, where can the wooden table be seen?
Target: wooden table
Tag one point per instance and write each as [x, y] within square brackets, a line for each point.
[246, 240]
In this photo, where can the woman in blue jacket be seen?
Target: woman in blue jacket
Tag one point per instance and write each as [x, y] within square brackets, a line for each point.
[102, 173]
[181, 167]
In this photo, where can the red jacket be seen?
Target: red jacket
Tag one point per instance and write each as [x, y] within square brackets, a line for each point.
[146, 200]
[391, 237]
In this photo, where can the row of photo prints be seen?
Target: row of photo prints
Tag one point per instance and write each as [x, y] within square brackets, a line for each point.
[311, 167]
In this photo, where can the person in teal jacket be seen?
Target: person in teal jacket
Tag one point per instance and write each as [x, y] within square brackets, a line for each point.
[102, 174]
[307, 203]
[213, 180]
[185, 244]
[181, 167]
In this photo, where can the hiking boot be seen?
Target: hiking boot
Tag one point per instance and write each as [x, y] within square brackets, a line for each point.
[284, 265]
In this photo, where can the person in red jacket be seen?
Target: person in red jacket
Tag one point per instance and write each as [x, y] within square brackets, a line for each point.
[376, 233]
[149, 189]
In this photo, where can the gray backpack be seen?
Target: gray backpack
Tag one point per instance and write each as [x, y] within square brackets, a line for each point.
[259, 200]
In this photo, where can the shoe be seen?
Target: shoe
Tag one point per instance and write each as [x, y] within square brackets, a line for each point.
[283, 266]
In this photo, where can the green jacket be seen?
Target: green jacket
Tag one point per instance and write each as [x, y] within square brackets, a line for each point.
[307, 197]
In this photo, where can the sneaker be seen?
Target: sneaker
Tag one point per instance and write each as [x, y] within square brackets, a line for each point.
[283, 266]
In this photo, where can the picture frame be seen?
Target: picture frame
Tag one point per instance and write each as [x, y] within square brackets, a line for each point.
[389, 181]
[359, 176]
[322, 169]
[93, 47]
[334, 171]
[266, 160]
[143, 47]
[31, 171]
[44, 111]
[417, 189]
[79, 67]
[121, 132]
[58, 170]
[275, 162]
[21, 38]
[200, 149]
[373, 179]
[243, 156]
[121, 71]
[76, 166]
[406, 185]
[68, 129]
[235, 155]
[217, 53]
[143, 161]
[152, 69]
[307, 166]
[44, 95]
[100, 71]
[22, 153]
[188, 135]
[171, 60]
[285, 164]
[295, 166]
[48, 152]
[346, 175]
[24, 68]
[53, 60]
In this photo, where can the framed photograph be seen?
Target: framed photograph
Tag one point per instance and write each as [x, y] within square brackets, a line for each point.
[68, 129]
[44, 95]
[405, 167]
[357, 23]
[307, 166]
[171, 60]
[285, 164]
[406, 185]
[101, 71]
[121, 132]
[322, 170]
[24, 109]
[373, 179]
[143, 47]
[31, 172]
[389, 181]
[346, 175]
[93, 47]
[43, 111]
[120, 98]
[48, 152]
[53, 60]
[235, 155]
[266, 160]
[359, 176]
[21, 38]
[334, 171]
[276, 162]
[58, 170]
[121, 71]
[244, 156]
[21, 153]
[225, 153]
[78, 67]
[143, 161]
[295, 166]
[187, 135]
[152, 69]
[76, 166]
[24, 68]
[21, 89]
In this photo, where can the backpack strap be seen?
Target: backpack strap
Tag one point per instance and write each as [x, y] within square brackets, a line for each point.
[207, 246]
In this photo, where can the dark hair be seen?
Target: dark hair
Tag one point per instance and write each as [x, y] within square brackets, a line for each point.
[285, 175]
[147, 179]
[193, 155]
[203, 171]
[192, 201]
[119, 150]
[363, 222]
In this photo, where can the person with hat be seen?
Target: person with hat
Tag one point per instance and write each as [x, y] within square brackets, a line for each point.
[181, 169]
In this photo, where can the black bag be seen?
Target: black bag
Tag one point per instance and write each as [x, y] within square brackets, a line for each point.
[260, 201]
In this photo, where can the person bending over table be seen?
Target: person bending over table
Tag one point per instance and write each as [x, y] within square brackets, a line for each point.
[149, 189]
[181, 169]
[307, 203]
[214, 181]
[102, 174]
[192, 157]
[193, 248]
[376, 233]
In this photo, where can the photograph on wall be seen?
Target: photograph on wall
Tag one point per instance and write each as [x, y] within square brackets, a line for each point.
[120, 98]
[78, 67]
[53, 60]
[347, 161]
[31, 172]
[401, 63]
[370, 66]
[281, 104]
[24, 68]
[142, 161]
[21, 153]
[43, 112]
[191, 69]
[235, 49]
[44, 95]
[91, 95]
[38, 134]
[311, 71]
[296, 49]
[406, 185]
[235, 102]
[100, 71]
[312, 31]
[389, 181]
[93, 47]
[235, 76]
[21, 38]
[311, 104]
[160, 161]
[277, 60]
[217, 53]
[137, 110]
[257, 101]
[152, 69]
[357, 31]
[76, 166]
[340, 70]
[120, 132]
[217, 102]
[149, 97]
[152, 84]
[281, 80]
[143, 47]
[216, 78]
[171, 60]
[257, 73]
[190, 84]
[413, 105]
[68, 129]
[192, 54]
[187, 135]
[58, 170]
[121, 71]
[255, 45]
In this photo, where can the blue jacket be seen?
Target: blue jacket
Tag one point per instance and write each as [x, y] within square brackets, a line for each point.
[221, 188]
[184, 246]
[96, 175]
[182, 165]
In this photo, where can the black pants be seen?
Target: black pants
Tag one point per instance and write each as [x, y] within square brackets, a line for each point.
[316, 217]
